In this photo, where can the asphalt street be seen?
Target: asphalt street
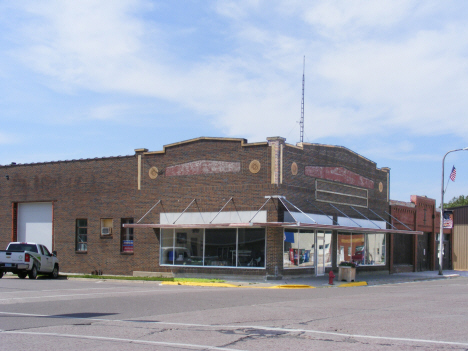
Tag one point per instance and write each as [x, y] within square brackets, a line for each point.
[73, 314]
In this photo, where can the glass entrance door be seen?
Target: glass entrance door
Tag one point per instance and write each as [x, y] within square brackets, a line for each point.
[323, 252]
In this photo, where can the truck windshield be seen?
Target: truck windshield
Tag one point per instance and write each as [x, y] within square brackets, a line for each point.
[22, 247]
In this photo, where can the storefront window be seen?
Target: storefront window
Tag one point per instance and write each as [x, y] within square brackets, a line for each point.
[364, 249]
[251, 248]
[213, 247]
[167, 246]
[220, 246]
[302, 247]
[298, 249]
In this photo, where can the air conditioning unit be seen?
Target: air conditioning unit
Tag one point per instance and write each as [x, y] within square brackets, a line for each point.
[106, 231]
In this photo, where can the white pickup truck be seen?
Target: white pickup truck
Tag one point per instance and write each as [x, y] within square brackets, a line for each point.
[28, 259]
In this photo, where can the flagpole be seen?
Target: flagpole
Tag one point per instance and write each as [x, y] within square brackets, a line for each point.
[448, 180]
[441, 233]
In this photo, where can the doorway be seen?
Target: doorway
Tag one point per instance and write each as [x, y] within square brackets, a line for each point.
[34, 223]
[423, 253]
[323, 252]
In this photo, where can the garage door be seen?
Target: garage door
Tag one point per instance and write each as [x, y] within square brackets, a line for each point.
[35, 223]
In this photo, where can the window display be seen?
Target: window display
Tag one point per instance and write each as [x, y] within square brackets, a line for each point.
[251, 248]
[299, 249]
[218, 247]
[126, 236]
[363, 249]
[220, 244]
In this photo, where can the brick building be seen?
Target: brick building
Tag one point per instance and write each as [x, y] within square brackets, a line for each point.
[214, 206]
[416, 253]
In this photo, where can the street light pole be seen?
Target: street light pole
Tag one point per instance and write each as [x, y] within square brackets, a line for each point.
[441, 234]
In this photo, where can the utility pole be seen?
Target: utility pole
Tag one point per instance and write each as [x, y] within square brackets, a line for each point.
[302, 104]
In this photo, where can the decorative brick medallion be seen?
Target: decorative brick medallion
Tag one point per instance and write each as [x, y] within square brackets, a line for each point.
[380, 187]
[153, 173]
[254, 166]
[294, 168]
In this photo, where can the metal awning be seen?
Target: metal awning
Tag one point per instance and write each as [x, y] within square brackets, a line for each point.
[296, 224]
[288, 225]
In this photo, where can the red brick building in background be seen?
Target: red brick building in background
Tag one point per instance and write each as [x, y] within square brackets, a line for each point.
[417, 253]
[210, 206]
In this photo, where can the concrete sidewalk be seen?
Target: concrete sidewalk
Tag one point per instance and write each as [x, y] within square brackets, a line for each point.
[369, 279]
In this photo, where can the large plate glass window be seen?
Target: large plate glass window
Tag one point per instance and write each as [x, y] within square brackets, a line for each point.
[298, 249]
[363, 249]
[250, 248]
[220, 247]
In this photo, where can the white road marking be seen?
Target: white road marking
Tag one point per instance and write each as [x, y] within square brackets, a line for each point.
[70, 295]
[136, 341]
[289, 330]
[35, 291]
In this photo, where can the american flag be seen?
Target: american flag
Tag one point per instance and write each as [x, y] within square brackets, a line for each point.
[453, 174]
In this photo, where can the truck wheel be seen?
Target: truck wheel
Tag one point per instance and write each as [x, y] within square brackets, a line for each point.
[1, 274]
[22, 275]
[55, 272]
[33, 273]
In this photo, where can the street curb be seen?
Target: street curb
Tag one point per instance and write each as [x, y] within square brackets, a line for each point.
[226, 285]
[286, 286]
[219, 285]
[292, 287]
[346, 285]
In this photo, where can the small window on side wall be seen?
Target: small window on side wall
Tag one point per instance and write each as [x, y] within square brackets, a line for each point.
[81, 234]
[126, 236]
[106, 227]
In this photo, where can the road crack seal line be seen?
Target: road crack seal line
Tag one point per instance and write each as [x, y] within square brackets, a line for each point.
[290, 330]
[136, 341]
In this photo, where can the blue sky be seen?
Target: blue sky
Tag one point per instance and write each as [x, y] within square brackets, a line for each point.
[386, 79]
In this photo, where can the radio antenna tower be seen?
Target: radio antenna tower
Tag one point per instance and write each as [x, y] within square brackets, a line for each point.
[301, 123]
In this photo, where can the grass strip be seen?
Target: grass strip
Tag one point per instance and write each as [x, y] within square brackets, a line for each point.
[158, 279]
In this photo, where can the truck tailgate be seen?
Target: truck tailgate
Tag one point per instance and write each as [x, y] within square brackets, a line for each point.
[11, 257]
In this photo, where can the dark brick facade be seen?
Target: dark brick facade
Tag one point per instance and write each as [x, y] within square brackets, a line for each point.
[412, 253]
[215, 170]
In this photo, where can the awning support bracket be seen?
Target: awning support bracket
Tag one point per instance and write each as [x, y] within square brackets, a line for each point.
[390, 224]
[398, 220]
[198, 207]
[151, 209]
[370, 220]
[333, 221]
[268, 199]
[297, 208]
[194, 200]
[235, 207]
[285, 206]
[221, 210]
[344, 214]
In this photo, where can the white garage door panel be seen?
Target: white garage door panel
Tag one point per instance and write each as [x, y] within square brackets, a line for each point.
[35, 223]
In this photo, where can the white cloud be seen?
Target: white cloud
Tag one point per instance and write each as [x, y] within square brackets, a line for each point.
[341, 19]
[418, 81]
[238, 9]
[360, 79]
